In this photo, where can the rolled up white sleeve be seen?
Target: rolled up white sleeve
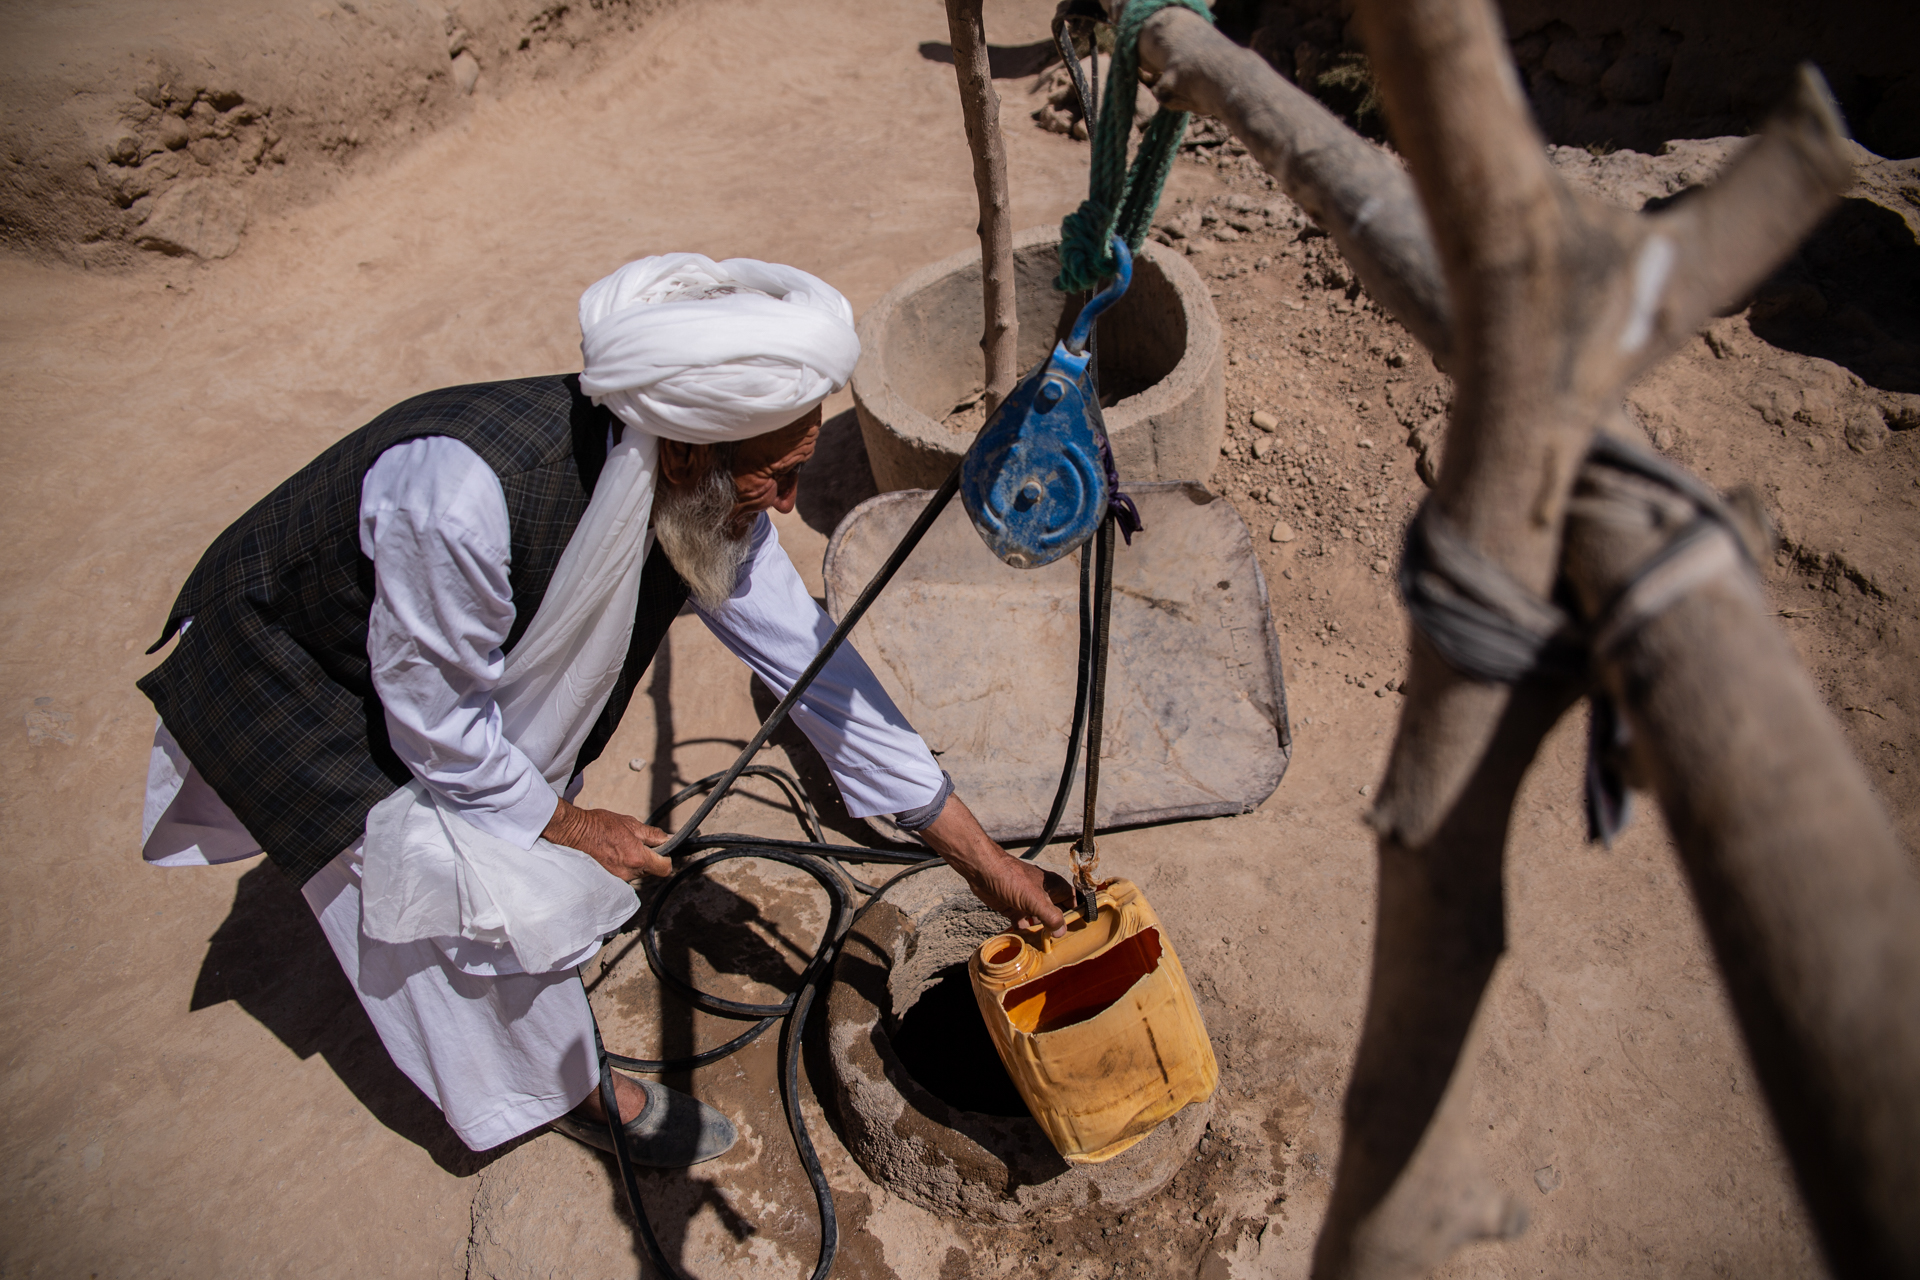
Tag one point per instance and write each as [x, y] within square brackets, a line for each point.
[433, 519]
[770, 622]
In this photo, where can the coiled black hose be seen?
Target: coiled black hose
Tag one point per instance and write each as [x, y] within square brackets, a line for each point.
[820, 859]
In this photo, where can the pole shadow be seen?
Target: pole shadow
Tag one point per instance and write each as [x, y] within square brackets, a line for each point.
[1004, 62]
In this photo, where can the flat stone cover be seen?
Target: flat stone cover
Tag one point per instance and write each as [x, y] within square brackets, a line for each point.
[981, 658]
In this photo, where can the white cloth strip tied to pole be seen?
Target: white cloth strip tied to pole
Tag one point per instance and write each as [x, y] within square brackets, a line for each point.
[676, 346]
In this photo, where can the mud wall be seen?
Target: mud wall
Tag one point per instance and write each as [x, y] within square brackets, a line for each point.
[135, 125]
[164, 126]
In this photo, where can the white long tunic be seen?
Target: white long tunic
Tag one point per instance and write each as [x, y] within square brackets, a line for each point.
[498, 1050]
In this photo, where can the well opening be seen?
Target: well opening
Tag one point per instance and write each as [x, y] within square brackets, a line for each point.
[934, 348]
[944, 1046]
[921, 1098]
[1161, 367]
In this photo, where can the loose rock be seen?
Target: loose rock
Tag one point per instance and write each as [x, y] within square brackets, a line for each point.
[202, 218]
[1866, 431]
[1282, 532]
[466, 72]
[1264, 420]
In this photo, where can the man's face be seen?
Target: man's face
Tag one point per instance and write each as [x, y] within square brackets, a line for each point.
[766, 471]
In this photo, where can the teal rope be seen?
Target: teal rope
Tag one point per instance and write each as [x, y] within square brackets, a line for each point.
[1120, 201]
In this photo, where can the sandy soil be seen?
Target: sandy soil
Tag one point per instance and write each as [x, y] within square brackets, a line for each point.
[189, 1085]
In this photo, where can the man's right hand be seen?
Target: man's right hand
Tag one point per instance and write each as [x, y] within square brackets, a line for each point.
[623, 845]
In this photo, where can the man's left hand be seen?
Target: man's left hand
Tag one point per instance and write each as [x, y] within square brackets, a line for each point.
[1020, 891]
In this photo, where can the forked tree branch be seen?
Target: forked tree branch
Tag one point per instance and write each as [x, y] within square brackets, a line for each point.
[980, 108]
[1546, 305]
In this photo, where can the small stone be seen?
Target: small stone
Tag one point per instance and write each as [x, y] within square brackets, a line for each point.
[466, 72]
[1262, 447]
[173, 132]
[1264, 420]
[1901, 410]
[1663, 440]
[1366, 444]
[1547, 1178]
[1866, 431]
[202, 218]
[1381, 565]
[1282, 532]
[1277, 495]
[1366, 788]
[636, 764]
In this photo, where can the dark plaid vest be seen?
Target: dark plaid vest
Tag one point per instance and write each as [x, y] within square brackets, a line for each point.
[270, 691]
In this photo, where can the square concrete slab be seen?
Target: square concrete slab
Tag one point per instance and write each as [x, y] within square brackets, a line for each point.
[981, 659]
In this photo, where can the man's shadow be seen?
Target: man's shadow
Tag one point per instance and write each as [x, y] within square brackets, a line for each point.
[270, 957]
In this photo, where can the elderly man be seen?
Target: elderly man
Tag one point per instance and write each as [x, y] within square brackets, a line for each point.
[392, 671]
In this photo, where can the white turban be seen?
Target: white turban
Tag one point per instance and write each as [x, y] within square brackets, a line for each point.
[700, 351]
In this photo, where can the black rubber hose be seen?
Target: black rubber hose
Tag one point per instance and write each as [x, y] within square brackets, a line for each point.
[821, 860]
[1096, 706]
[935, 505]
[1078, 723]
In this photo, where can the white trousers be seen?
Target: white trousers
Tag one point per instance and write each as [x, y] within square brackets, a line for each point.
[499, 1054]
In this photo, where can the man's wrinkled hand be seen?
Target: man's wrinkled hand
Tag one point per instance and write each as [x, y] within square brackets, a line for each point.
[1020, 891]
[623, 845]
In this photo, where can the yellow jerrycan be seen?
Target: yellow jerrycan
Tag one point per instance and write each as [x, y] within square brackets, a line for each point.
[1098, 1029]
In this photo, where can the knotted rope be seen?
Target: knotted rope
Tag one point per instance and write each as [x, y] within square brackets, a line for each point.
[1487, 626]
[1120, 201]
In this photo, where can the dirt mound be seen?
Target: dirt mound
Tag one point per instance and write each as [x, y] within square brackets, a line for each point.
[166, 128]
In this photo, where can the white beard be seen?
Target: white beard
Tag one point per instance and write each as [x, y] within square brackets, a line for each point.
[691, 525]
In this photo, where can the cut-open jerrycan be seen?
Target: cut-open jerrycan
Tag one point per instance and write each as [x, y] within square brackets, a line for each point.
[1098, 1029]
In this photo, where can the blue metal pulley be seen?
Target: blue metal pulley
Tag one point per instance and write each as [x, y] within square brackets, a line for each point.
[1037, 481]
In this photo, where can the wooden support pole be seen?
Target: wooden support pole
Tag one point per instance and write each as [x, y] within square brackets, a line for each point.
[1352, 188]
[980, 108]
[1810, 903]
[1547, 305]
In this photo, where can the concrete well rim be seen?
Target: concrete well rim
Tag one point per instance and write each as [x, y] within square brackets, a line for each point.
[951, 1162]
[1193, 388]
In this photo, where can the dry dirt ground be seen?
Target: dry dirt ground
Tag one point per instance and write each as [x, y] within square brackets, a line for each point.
[189, 1087]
